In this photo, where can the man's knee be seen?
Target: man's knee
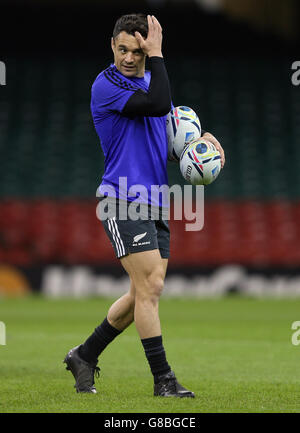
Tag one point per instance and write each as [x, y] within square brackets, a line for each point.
[152, 288]
[156, 284]
[131, 300]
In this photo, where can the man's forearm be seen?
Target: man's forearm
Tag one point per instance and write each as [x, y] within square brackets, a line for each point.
[157, 101]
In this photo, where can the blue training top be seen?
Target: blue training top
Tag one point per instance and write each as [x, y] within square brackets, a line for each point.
[135, 149]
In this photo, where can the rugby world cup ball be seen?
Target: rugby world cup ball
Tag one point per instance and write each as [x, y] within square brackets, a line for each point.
[200, 162]
[183, 126]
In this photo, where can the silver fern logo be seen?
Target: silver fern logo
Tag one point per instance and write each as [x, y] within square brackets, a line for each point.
[2, 74]
[139, 237]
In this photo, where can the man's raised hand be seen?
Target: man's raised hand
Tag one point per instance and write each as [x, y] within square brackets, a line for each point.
[151, 46]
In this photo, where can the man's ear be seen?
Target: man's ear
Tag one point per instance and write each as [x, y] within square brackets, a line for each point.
[112, 44]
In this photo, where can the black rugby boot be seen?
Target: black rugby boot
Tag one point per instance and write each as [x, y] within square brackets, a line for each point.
[168, 386]
[82, 371]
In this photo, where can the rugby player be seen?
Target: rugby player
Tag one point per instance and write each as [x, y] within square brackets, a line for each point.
[129, 106]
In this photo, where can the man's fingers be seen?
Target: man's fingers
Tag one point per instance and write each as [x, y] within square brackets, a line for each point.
[219, 148]
[150, 25]
[156, 22]
[139, 38]
[208, 136]
[157, 30]
[153, 26]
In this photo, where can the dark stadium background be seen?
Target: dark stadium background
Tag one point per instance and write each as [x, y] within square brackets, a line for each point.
[231, 63]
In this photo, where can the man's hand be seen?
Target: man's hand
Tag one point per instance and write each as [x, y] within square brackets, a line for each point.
[152, 45]
[208, 136]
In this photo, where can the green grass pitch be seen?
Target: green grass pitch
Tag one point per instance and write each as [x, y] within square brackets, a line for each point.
[236, 354]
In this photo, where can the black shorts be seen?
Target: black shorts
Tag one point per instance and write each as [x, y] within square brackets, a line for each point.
[132, 236]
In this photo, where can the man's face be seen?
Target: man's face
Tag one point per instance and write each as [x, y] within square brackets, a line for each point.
[128, 55]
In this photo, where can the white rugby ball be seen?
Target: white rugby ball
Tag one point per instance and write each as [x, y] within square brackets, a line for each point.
[200, 162]
[183, 126]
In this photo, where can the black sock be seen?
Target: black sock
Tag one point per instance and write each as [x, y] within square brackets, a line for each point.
[97, 342]
[156, 356]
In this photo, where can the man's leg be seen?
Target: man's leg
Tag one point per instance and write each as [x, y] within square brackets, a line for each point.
[119, 317]
[121, 313]
[147, 271]
[82, 360]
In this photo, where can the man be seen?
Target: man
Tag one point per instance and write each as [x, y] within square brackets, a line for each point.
[129, 107]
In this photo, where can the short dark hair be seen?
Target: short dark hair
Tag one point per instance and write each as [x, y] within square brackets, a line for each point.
[131, 23]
